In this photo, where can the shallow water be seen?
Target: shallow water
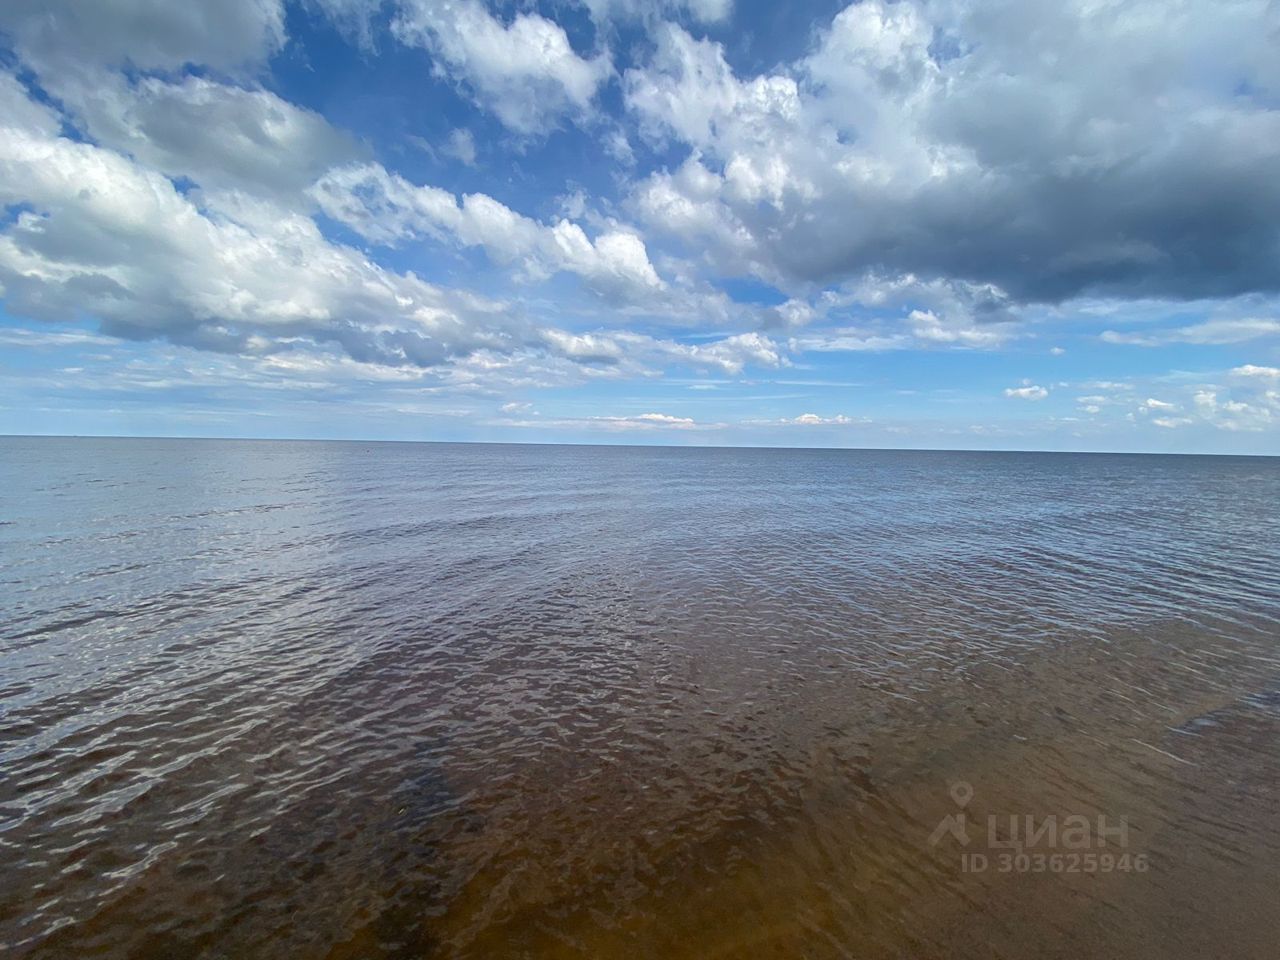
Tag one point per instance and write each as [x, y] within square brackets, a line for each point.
[346, 700]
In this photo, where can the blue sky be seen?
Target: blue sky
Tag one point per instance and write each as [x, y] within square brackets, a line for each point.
[1006, 225]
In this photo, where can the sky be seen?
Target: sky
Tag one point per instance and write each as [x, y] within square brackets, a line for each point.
[1014, 224]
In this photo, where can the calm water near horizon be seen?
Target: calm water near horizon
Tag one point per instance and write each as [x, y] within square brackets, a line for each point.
[373, 700]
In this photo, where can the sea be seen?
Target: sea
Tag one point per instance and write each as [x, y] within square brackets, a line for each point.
[289, 699]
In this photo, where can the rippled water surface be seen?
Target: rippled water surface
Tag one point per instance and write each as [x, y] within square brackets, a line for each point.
[346, 700]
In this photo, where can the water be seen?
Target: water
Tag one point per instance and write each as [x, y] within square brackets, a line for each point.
[351, 700]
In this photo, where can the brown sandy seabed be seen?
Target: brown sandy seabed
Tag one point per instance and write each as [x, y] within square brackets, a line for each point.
[679, 850]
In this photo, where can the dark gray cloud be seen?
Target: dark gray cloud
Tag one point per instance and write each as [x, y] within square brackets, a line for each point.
[148, 34]
[1054, 149]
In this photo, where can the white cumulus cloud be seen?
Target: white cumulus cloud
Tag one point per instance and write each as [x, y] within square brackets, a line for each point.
[525, 72]
[386, 208]
[102, 234]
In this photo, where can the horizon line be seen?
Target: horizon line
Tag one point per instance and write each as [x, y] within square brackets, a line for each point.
[660, 446]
